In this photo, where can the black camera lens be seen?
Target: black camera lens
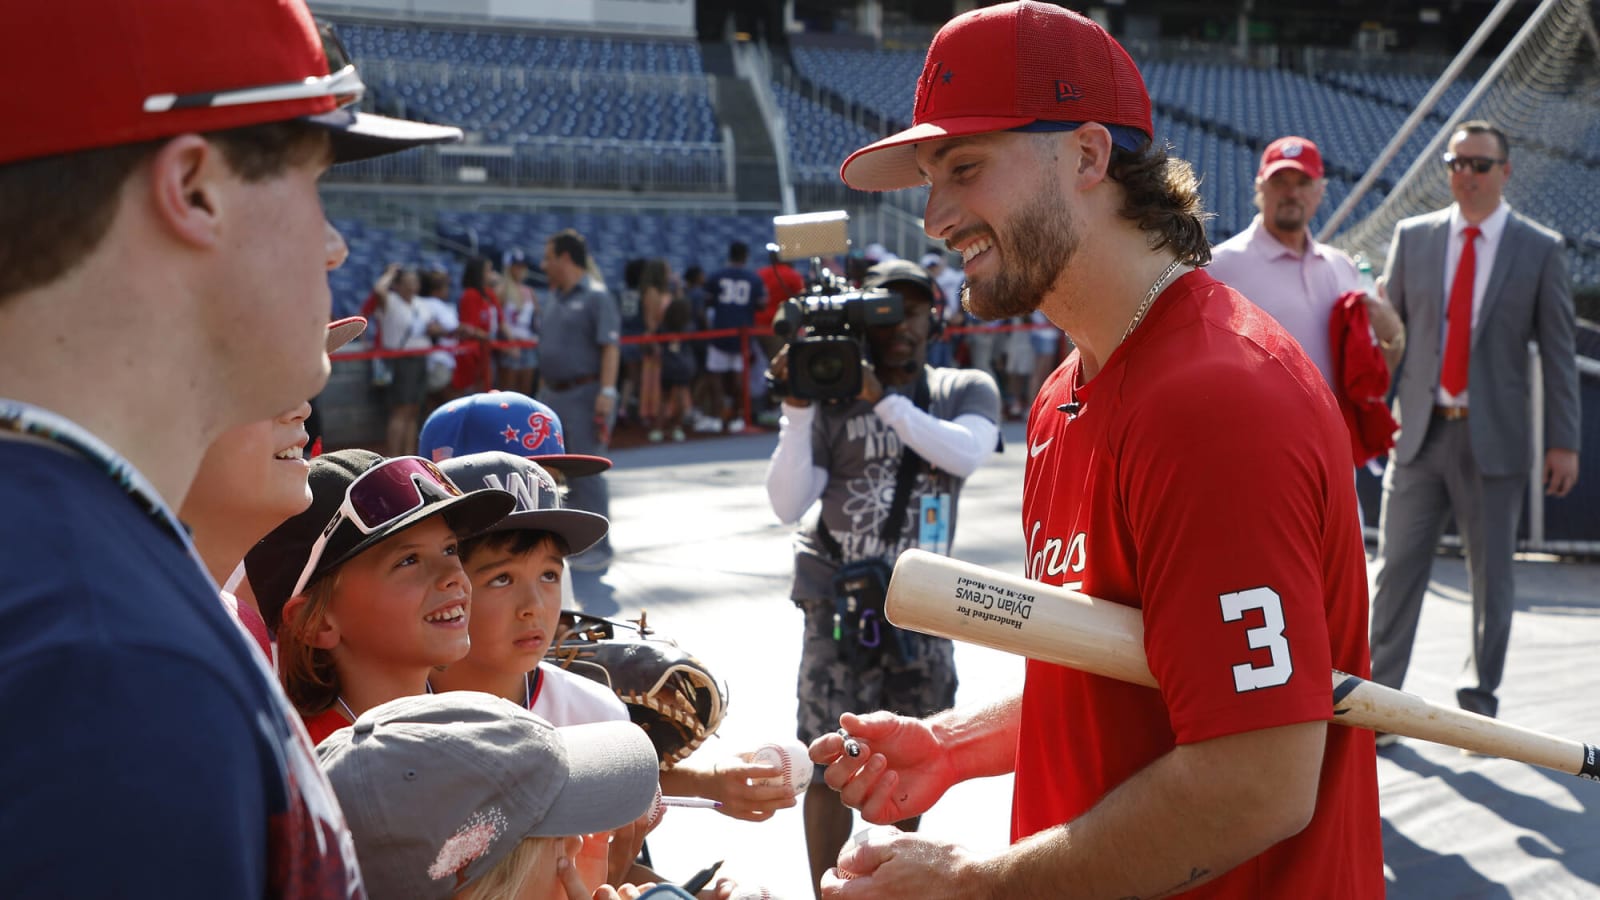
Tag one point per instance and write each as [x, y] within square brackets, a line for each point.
[825, 368]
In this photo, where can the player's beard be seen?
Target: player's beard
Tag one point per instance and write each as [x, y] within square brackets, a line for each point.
[1039, 242]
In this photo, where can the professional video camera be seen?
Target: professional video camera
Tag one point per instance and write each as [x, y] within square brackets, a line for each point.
[826, 326]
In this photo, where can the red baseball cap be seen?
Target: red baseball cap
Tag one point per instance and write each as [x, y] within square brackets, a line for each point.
[1005, 67]
[86, 74]
[1290, 153]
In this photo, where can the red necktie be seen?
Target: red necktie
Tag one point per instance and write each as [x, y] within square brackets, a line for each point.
[1458, 336]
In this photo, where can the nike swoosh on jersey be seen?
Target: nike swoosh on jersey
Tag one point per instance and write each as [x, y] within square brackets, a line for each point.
[1037, 449]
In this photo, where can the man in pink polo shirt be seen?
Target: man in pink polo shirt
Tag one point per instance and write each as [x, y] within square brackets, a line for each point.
[1282, 269]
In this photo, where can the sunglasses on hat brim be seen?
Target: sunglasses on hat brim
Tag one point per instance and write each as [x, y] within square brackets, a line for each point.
[378, 498]
[342, 83]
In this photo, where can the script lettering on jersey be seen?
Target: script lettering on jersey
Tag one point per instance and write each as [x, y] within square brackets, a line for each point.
[1052, 557]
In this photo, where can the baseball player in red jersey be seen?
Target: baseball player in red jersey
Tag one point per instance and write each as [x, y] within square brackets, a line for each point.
[1187, 460]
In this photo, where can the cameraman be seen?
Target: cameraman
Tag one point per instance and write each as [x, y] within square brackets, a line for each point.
[849, 455]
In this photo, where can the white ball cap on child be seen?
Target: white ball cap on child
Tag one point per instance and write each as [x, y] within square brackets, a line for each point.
[439, 788]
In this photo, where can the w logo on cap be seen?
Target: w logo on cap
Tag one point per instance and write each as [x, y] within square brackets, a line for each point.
[1066, 90]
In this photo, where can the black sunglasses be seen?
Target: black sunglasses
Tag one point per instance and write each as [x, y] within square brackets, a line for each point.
[1478, 164]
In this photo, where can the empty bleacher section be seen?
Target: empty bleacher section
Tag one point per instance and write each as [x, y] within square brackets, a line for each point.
[544, 110]
[883, 81]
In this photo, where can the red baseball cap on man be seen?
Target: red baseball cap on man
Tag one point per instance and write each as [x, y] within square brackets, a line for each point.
[87, 74]
[1023, 65]
[1290, 153]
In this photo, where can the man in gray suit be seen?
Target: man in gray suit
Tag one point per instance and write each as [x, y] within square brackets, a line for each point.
[1474, 283]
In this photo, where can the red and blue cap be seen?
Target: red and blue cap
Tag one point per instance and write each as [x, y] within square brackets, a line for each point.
[508, 422]
[1016, 66]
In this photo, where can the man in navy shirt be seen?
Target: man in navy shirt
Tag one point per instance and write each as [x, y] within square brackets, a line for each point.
[736, 295]
[163, 258]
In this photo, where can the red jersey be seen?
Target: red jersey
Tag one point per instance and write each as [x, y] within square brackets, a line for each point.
[1204, 480]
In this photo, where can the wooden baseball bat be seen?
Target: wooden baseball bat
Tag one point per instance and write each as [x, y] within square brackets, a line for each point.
[953, 599]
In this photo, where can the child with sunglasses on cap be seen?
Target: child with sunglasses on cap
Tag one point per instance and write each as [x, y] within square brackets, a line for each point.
[463, 796]
[365, 588]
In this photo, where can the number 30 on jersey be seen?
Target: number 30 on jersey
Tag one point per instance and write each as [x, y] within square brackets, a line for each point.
[1268, 636]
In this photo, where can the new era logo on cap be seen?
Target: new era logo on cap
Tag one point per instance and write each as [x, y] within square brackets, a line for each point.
[1066, 90]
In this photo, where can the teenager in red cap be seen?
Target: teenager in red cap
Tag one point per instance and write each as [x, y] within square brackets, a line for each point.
[158, 199]
[1185, 460]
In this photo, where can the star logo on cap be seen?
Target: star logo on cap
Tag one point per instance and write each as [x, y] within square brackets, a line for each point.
[1290, 151]
[510, 434]
[1066, 90]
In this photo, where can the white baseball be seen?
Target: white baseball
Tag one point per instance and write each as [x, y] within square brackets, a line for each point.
[792, 757]
[753, 892]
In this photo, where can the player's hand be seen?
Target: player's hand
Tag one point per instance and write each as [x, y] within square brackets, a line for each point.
[778, 371]
[904, 866]
[902, 769]
[1560, 471]
[728, 781]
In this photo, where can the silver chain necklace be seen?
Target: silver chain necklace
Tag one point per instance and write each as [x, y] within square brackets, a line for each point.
[1155, 290]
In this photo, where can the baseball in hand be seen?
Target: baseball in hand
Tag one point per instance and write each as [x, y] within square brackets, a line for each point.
[792, 758]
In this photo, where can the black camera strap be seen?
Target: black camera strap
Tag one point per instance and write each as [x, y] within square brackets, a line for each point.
[911, 463]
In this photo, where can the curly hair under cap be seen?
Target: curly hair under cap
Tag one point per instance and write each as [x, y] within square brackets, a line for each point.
[1162, 195]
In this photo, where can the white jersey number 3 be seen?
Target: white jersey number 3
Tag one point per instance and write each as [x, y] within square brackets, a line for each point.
[1268, 636]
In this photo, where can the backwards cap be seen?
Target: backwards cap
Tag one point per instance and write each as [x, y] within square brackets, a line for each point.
[439, 788]
[88, 74]
[1005, 67]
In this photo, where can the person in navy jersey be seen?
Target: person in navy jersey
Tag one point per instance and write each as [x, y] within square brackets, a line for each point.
[736, 295]
[154, 207]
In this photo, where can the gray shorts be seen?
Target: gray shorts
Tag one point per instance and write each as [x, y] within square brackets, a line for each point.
[830, 686]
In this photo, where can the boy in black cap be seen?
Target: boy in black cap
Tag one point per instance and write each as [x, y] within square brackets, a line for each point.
[163, 259]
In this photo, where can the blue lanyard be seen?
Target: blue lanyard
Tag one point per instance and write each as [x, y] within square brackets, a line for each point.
[26, 419]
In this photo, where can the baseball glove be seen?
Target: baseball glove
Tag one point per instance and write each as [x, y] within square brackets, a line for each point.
[668, 692]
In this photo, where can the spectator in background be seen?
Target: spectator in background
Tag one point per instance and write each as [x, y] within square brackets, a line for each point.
[782, 282]
[1018, 365]
[402, 325]
[519, 366]
[581, 328]
[632, 312]
[700, 391]
[442, 327]
[737, 295]
[1473, 284]
[1285, 271]
[480, 315]
[677, 366]
[655, 292]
